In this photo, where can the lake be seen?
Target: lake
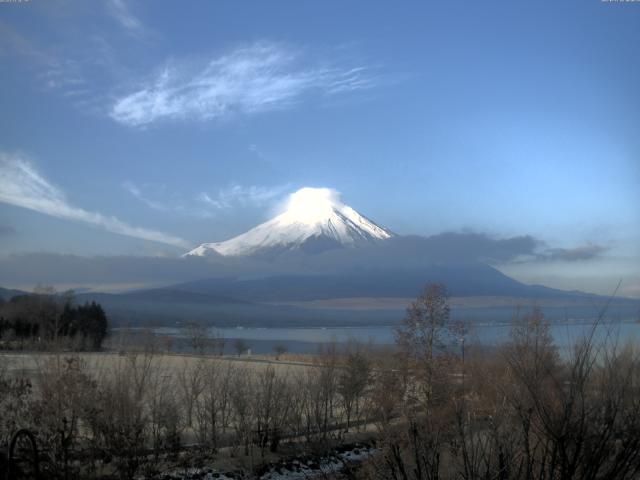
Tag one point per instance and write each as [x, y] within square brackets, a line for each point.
[307, 340]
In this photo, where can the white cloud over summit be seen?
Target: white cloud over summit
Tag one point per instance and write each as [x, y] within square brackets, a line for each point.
[253, 79]
[23, 186]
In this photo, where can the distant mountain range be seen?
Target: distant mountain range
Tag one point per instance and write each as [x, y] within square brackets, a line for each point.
[474, 279]
[306, 300]
[272, 308]
[8, 293]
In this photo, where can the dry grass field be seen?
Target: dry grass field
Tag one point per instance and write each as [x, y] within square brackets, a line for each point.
[30, 363]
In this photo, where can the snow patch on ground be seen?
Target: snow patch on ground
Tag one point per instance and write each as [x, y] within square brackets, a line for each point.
[292, 469]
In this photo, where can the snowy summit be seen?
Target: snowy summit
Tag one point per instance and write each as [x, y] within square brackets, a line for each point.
[315, 219]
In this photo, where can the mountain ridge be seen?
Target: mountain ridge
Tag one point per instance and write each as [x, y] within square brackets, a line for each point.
[467, 279]
[315, 220]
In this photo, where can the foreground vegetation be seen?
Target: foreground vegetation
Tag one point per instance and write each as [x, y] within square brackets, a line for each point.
[523, 411]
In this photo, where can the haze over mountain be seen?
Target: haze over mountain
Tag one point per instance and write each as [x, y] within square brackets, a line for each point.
[320, 262]
[315, 220]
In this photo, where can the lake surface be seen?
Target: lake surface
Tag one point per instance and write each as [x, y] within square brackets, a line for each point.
[307, 340]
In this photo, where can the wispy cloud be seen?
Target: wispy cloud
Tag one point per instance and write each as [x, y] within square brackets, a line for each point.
[136, 191]
[258, 78]
[22, 185]
[239, 195]
[575, 254]
[63, 75]
[204, 204]
[119, 10]
[53, 72]
[253, 148]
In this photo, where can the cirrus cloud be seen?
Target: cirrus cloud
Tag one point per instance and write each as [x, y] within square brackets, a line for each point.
[241, 195]
[119, 10]
[204, 204]
[23, 186]
[258, 78]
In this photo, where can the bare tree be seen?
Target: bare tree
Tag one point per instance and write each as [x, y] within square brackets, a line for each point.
[579, 418]
[241, 393]
[386, 396]
[197, 335]
[165, 419]
[16, 394]
[321, 386]
[240, 346]
[353, 379]
[219, 341]
[213, 408]
[279, 349]
[191, 380]
[271, 408]
[119, 418]
[64, 387]
[424, 339]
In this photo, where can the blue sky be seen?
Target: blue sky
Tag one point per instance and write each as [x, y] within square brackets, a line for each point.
[144, 128]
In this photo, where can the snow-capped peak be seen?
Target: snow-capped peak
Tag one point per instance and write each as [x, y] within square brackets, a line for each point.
[314, 219]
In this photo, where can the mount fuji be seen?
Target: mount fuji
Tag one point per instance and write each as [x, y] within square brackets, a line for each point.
[315, 220]
[360, 273]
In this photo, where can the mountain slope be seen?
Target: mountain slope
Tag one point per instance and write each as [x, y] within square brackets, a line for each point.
[7, 294]
[315, 220]
[281, 300]
[469, 279]
[164, 295]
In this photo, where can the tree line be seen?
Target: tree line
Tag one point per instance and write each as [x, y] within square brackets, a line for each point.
[44, 319]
